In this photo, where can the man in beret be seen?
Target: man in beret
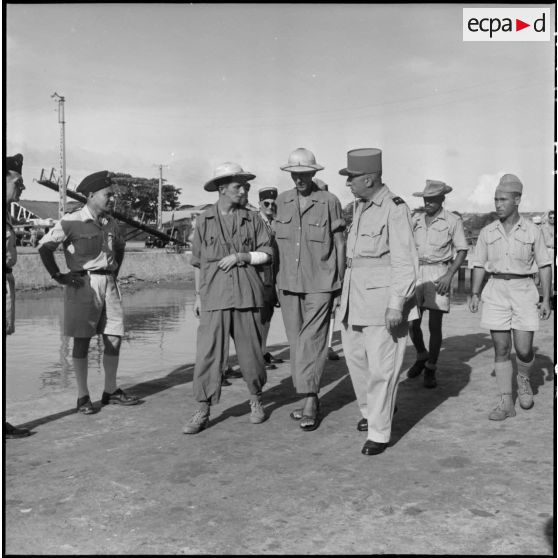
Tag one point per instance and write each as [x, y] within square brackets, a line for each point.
[309, 233]
[13, 187]
[268, 208]
[94, 250]
[378, 294]
[229, 241]
[438, 234]
[507, 250]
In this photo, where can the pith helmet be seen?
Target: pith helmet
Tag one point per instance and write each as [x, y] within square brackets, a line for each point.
[227, 170]
[511, 184]
[301, 160]
[434, 188]
[367, 160]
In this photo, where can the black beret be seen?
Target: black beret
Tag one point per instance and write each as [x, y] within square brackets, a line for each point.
[94, 182]
[14, 163]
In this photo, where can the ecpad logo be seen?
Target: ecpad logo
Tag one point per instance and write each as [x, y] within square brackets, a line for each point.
[506, 24]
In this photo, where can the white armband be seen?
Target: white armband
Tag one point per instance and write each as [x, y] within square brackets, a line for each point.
[258, 258]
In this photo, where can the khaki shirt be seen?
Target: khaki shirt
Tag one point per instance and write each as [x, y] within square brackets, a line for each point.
[241, 287]
[11, 252]
[516, 253]
[437, 242]
[383, 262]
[548, 234]
[88, 244]
[307, 251]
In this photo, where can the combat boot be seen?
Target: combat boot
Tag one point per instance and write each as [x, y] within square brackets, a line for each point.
[524, 392]
[504, 409]
[198, 422]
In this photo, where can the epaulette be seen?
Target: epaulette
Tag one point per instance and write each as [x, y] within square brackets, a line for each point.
[397, 200]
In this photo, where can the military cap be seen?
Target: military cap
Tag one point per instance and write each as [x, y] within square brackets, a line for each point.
[363, 161]
[267, 193]
[94, 182]
[434, 188]
[14, 163]
[510, 184]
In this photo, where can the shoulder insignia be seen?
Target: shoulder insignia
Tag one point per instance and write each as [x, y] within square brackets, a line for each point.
[397, 200]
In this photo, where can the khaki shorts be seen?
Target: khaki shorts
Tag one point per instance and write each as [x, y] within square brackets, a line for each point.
[510, 304]
[426, 294]
[94, 308]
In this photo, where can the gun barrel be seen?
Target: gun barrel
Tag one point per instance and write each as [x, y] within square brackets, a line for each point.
[116, 214]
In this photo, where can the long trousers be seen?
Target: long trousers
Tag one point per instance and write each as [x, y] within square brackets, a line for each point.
[306, 319]
[374, 357]
[244, 326]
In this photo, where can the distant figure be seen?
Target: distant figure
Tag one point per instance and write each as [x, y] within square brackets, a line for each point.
[331, 354]
[13, 187]
[309, 233]
[437, 234]
[94, 250]
[507, 249]
[228, 242]
[549, 235]
[268, 209]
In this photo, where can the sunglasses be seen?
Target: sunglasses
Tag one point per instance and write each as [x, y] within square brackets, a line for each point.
[268, 203]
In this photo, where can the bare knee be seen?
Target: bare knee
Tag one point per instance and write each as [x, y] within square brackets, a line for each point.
[112, 344]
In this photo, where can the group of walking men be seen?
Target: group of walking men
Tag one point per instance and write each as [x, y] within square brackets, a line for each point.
[380, 275]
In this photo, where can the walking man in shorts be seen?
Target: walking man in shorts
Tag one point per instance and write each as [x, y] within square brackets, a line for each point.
[94, 250]
[438, 233]
[507, 249]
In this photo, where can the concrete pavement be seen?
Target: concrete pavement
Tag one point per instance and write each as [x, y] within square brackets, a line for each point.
[127, 481]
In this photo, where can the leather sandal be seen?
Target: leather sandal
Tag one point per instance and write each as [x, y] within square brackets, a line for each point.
[309, 423]
[297, 414]
[84, 406]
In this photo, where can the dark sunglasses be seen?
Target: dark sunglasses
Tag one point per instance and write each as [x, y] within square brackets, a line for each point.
[268, 203]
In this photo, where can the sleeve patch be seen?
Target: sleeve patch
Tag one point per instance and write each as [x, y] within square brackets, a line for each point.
[397, 200]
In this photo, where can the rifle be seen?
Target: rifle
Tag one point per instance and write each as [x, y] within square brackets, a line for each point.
[115, 214]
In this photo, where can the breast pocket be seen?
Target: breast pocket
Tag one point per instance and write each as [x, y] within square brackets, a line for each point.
[88, 244]
[438, 236]
[371, 240]
[523, 245]
[317, 231]
[283, 224]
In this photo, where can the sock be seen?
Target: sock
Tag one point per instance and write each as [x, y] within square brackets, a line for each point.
[429, 365]
[524, 368]
[504, 373]
[110, 364]
[80, 367]
[204, 406]
[256, 397]
[422, 356]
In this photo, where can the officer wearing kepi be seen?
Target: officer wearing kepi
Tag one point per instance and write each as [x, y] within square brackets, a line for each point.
[507, 249]
[94, 250]
[378, 300]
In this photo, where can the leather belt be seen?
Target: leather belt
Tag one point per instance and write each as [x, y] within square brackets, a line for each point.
[508, 276]
[423, 262]
[8, 270]
[367, 262]
[95, 271]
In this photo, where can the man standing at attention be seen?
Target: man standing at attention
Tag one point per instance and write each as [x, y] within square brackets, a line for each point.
[378, 294]
[94, 250]
[506, 249]
[228, 242]
[438, 233]
[13, 187]
[309, 233]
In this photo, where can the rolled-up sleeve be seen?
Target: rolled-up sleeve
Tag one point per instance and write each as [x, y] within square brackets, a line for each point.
[404, 258]
[480, 253]
[197, 244]
[459, 240]
[54, 237]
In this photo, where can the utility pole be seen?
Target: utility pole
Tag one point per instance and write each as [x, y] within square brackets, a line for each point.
[160, 198]
[63, 185]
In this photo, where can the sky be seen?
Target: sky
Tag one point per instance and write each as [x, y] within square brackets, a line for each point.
[192, 86]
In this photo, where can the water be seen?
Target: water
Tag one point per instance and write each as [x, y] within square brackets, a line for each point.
[160, 337]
